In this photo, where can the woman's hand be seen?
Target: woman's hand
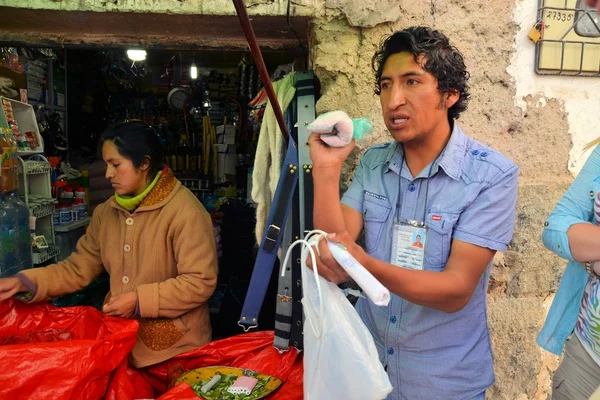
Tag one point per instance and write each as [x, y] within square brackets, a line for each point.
[11, 286]
[327, 266]
[123, 305]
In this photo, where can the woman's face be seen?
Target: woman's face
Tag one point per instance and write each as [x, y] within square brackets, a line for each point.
[126, 179]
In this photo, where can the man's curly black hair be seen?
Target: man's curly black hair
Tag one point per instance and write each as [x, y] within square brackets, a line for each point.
[442, 60]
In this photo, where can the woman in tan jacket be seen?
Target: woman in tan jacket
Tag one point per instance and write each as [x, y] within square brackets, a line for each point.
[156, 241]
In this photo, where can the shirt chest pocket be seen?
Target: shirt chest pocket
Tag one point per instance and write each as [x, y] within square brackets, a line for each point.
[375, 215]
[440, 226]
[594, 193]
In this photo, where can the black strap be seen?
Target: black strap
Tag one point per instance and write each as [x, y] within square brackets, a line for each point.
[296, 337]
[282, 334]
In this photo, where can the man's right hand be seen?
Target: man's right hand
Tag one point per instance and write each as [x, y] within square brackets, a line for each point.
[11, 286]
[325, 157]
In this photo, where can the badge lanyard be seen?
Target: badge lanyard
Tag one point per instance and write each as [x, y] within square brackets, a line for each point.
[409, 236]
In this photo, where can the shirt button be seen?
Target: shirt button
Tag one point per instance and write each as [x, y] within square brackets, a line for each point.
[129, 221]
[127, 248]
[484, 154]
[125, 280]
[393, 320]
[412, 188]
[390, 351]
[475, 152]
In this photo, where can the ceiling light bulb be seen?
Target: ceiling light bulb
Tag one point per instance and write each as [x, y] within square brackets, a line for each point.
[193, 71]
[136, 55]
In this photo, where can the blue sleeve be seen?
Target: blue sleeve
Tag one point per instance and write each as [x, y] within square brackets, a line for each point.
[354, 196]
[575, 207]
[489, 221]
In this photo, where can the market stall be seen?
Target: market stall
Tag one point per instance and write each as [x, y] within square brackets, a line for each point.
[206, 106]
[219, 135]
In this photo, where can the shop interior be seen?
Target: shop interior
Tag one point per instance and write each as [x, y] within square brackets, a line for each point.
[207, 107]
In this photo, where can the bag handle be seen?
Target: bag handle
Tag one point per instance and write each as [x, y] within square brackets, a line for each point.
[307, 248]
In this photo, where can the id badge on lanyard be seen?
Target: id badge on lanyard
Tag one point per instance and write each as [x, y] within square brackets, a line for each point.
[409, 236]
[408, 245]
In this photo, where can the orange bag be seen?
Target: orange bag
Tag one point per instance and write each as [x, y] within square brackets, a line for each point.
[252, 351]
[61, 353]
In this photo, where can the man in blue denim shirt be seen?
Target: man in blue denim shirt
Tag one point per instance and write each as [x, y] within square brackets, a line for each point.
[433, 336]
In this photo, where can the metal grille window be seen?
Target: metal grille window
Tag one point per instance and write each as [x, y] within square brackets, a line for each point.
[570, 39]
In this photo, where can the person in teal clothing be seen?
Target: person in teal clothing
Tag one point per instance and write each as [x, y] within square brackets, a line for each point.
[572, 231]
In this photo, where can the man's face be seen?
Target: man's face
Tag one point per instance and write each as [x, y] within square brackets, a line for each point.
[413, 107]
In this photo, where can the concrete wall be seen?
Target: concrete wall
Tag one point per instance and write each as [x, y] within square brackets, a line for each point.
[539, 122]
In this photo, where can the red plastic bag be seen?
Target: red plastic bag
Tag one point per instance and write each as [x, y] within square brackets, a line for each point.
[182, 391]
[64, 353]
[51, 335]
[252, 351]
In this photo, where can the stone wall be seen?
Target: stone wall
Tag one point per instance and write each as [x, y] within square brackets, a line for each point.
[518, 113]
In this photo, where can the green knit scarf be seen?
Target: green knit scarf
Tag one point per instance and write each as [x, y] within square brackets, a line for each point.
[130, 203]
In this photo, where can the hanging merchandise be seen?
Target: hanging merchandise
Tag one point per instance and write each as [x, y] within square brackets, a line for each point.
[243, 79]
[9, 58]
[123, 70]
[259, 84]
[251, 80]
[335, 331]
[209, 147]
[50, 126]
[37, 54]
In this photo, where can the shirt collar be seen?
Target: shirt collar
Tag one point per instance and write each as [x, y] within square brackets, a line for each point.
[450, 160]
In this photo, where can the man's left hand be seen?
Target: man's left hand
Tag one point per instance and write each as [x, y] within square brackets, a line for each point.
[122, 305]
[327, 266]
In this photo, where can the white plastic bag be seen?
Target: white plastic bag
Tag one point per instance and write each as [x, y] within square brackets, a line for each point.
[340, 358]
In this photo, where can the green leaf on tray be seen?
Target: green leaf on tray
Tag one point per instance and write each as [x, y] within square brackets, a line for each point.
[219, 391]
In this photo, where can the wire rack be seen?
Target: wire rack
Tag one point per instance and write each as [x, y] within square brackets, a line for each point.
[570, 40]
[42, 210]
[42, 255]
[37, 167]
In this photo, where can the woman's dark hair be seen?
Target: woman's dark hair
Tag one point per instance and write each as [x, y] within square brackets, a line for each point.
[135, 141]
[442, 60]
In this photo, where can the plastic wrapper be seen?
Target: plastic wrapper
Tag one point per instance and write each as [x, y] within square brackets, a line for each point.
[61, 353]
[337, 129]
